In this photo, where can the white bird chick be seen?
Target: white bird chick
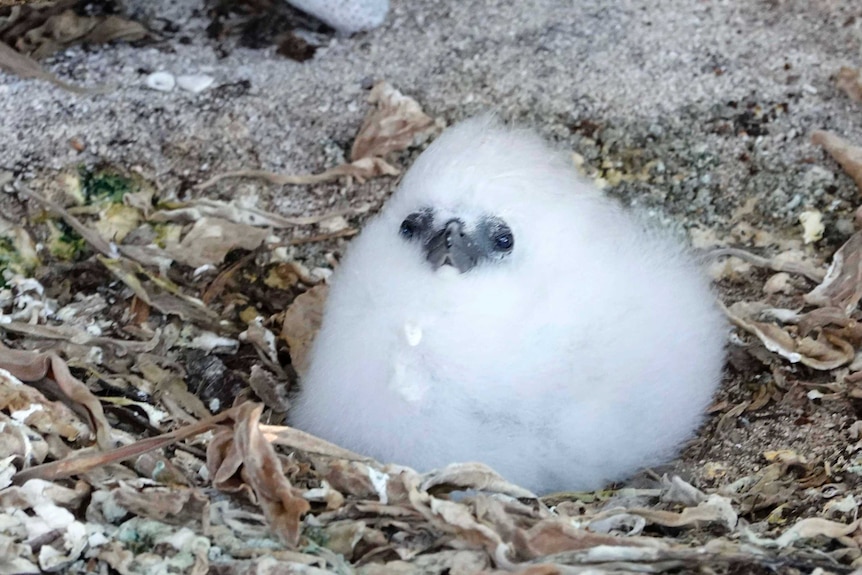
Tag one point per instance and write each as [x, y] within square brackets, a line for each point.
[499, 309]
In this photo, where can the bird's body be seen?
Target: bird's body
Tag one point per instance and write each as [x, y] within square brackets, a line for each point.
[559, 342]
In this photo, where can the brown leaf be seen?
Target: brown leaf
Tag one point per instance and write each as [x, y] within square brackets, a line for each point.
[850, 82]
[457, 519]
[161, 293]
[173, 505]
[296, 439]
[845, 153]
[25, 67]
[842, 286]
[112, 28]
[77, 464]
[397, 123]
[393, 126]
[826, 351]
[476, 476]
[301, 323]
[210, 239]
[282, 504]
[783, 262]
[558, 535]
[51, 417]
[32, 366]
[271, 390]
[361, 481]
[716, 509]
[224, 462]
[814, 527]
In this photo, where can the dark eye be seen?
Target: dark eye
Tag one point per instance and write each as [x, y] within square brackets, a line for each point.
[415, 224]
[504, 241]
[408, 229]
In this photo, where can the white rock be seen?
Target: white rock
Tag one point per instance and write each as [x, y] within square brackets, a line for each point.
[346, 16]
[161, 81]
[812, 226]
[195, 83]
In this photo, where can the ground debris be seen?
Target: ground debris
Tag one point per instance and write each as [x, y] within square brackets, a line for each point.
[131, 467]
[396, 123]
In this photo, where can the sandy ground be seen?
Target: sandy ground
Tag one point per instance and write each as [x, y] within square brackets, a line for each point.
[689, 108]
[661, 78]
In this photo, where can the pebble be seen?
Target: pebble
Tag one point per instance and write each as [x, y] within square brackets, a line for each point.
[195, 83]
[346, 16]
[161, 81]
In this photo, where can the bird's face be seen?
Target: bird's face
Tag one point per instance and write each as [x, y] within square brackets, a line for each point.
[455, 240]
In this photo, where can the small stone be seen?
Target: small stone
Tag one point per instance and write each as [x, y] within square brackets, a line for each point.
[346, 16]
[161, 81]
[778, 283]
[195, 83]
[812, 226]
[333, 225]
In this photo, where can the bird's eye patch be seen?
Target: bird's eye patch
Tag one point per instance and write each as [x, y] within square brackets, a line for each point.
[504, 241]
[500, 238]
[415, 224]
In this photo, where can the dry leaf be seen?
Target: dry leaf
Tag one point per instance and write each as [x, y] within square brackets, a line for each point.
[850, 82]
[397, 123]
[41, 29]
[283, 504]
[301, 323]
[791, 261]
[33, 366]
[296, 439]
[716, 509]
[271, 390]
[806, 529]
[845, 153]
[559, 535]
[25, 67]
[161, 293]
[842, 286]
[463, 476]
[824, 352]
[82, 463]
[173, 505]
[210, 240]
[393, 126]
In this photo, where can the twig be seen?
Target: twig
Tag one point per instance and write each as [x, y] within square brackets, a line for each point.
[323, 237]
[810, 272]
[83, 463]
[93, 238]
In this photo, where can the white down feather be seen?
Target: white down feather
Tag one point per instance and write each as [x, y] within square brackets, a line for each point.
[587, 353]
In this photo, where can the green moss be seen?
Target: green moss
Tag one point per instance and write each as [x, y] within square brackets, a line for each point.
[14, 259]
[65, 242]
[105, 185]
[8, 258]
[316, 537]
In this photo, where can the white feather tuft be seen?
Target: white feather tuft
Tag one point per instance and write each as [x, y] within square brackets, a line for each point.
[587, 353]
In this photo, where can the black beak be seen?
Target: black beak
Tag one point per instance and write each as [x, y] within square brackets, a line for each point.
[451, 246]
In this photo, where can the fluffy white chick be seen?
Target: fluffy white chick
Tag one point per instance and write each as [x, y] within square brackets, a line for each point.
[499, 309]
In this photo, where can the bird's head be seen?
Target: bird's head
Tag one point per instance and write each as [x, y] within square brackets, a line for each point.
[480, 197]
[452, 239]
